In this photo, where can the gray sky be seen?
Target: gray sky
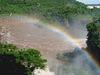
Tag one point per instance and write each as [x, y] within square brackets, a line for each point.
[90, 1]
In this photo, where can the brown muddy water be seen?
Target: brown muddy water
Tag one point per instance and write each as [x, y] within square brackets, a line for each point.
[25, 34]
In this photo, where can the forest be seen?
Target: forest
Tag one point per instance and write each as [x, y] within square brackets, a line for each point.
[93, 40]
[62, 11]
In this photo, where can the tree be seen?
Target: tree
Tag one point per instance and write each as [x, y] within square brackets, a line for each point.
[93, 40]
[93, 36]
[9, 65]
[7, 47]
[31, 58]
[19, 62]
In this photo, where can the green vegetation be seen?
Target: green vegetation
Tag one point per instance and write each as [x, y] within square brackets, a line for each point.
[19, 62]
[62, 11]
[59, 56]
[93, 40]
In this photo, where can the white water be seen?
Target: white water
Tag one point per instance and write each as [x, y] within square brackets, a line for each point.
[44, 72]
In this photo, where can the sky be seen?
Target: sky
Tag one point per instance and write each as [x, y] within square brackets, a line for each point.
[90, 1]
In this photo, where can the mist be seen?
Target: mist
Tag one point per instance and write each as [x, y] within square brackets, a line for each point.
[77, 64]
[78, 27]
[73, 61]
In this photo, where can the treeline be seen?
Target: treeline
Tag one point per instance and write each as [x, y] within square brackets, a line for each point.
[14, 61]
[49, 10]
[93, 40]
[63, 11]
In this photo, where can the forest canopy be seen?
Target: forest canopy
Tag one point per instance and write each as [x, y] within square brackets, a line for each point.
[93, 36]
[14, 61]
[50, 10]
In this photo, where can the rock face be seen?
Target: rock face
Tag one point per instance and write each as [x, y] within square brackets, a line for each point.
[67, 24]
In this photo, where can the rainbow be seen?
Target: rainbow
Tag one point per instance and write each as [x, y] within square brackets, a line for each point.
[63, 32]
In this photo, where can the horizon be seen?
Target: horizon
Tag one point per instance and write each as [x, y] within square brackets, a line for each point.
[89, 1]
